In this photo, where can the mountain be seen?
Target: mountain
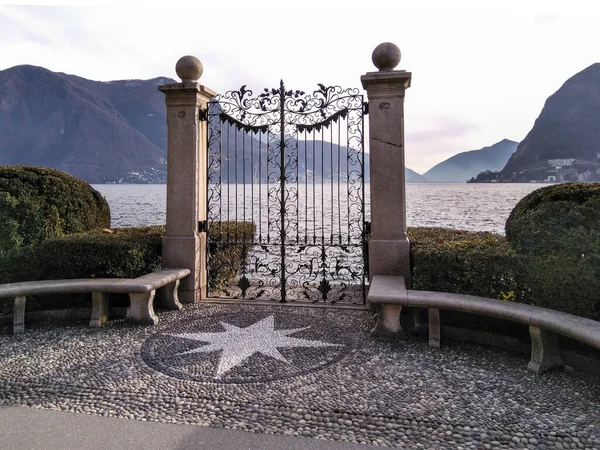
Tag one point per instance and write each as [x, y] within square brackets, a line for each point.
[316, 160]
[116, 132]
[246, 158]
[465, 165]
[97, 131]
[414, 177]
[568, 128]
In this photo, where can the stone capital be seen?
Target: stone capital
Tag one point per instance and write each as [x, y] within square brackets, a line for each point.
[186, 94]
[386, 83]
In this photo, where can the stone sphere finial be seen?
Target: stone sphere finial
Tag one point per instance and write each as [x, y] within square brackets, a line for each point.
[189, 69]
[386, 56]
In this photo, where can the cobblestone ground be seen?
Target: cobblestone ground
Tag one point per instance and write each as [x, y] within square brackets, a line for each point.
[301, 371]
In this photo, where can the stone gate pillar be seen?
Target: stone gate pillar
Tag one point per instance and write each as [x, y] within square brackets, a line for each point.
[388, 245]
[183, 245]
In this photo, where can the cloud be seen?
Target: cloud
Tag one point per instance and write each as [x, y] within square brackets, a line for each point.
[42, 25]
[480, 72]
[437, 128]
[433, 138]
[14, 27]
[543, 20]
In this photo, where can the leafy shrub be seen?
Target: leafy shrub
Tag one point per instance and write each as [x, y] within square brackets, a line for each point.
[486, 265]
[119, 253]
[464, 262]
[565, 283]
[37, 203]
[115, 253]
[10, 239]
[24, 221]
[109, 253]
[558, 219]
[558, 228]
[227, 249]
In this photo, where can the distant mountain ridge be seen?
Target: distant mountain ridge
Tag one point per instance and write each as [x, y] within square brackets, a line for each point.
[97, 131]
[465, 165]
[316, 160]
[414, 177]
[113, 131]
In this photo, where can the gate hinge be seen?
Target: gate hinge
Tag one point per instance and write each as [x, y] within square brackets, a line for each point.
[202, 115]
[202, 226]
[365, 108]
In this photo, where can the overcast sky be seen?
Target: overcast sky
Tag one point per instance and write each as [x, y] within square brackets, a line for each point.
[481, 69]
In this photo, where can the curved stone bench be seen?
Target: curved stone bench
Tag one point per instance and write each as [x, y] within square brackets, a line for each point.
[390, 294]
[141, 292]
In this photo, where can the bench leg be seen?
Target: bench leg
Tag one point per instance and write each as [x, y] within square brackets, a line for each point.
[388, 320]
[168, 296]
[435, 332]
[19, 315]
[545, 354]
[417, 324]
[99, 309]
[142, 308]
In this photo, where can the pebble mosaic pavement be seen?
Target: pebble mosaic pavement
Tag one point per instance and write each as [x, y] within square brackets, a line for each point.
[324, 378]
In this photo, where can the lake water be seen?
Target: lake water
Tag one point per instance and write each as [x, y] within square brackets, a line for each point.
[474, 207]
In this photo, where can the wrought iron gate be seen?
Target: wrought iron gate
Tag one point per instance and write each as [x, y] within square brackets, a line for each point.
[286, 213]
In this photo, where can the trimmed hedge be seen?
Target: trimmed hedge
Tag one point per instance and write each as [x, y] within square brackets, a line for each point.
[37, 203]
[108, 253]
[226, 250]
[558, 228]
[557, 219]
[482, 264]
[464, 262]
[564, 283]
[485, 264]
[113, 253]
[120, 252]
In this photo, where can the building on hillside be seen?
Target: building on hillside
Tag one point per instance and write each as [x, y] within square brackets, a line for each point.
[559, 163]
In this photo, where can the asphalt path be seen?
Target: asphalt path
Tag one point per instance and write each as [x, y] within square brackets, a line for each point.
[25, 428]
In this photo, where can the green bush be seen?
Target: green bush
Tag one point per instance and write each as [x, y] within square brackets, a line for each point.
[10, 238]
[486, 265]
[109, 253]
[38, 203]
[116, 253]
[558, 219]
[227, 250]
[463, 262]
[120, 252]
[25, 221]
[558, 228]
[565, 283]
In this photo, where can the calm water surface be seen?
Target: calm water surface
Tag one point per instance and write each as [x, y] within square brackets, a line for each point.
[475, 207]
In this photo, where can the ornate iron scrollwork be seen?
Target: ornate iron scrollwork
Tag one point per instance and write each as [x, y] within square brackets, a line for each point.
[292, 164]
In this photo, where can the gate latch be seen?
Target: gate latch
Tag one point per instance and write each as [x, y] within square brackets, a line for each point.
[365, 108]
[202, 115]
[202, 226]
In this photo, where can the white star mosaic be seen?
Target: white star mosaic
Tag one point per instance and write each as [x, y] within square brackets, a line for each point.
[238, 344]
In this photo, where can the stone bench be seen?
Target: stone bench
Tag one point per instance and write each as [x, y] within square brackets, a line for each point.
[141, 292]
[389, 294]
